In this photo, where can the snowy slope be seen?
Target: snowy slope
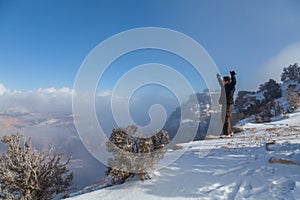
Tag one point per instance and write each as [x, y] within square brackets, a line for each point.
[262, 162]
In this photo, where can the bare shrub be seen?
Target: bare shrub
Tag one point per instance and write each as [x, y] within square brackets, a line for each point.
[133, 154]
[293, 97]
[28, 174]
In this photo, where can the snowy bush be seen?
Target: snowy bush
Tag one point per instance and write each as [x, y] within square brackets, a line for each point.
[133, 154]
[27, 174]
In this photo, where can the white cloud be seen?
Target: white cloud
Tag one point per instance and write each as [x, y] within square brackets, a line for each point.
[2, 89]
[104, 93]
[53, 90]
[43, 100]
[274, 66]
[47, 90]
[53, 101]
[65, 90]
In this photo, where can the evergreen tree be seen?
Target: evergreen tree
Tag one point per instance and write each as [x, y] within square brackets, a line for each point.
[291, 73]
[271, 90]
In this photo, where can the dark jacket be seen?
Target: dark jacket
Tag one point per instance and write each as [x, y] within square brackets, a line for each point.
[229, 89]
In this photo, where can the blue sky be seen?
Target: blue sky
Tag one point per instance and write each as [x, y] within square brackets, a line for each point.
[43, 43]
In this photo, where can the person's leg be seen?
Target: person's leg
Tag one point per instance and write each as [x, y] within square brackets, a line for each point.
[224, 110]
[225, 128]
[228, 118]
[227, 124]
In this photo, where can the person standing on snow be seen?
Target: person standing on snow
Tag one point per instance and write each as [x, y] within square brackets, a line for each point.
[227, 100]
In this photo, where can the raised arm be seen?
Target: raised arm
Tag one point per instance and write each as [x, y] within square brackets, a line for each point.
[233, 78]
[219, 79]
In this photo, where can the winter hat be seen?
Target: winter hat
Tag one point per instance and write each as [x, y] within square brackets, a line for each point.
[226, 78]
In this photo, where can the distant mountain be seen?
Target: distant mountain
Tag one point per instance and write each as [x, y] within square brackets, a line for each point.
[194, 115]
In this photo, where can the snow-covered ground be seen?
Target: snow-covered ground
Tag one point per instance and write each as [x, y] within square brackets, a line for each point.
[262, 162]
